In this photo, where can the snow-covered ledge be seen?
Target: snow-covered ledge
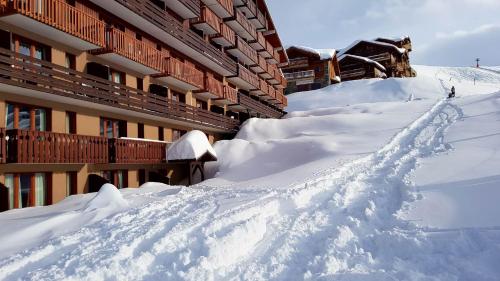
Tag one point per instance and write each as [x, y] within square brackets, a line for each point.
[193, 146]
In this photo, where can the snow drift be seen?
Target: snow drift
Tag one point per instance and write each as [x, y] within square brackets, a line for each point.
[191, 146]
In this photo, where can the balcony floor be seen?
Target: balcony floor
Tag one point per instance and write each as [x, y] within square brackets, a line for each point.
[128, 63]
[48, 31]
[177, 84]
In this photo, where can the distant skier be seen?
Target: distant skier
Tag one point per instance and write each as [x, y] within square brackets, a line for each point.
[452, 94]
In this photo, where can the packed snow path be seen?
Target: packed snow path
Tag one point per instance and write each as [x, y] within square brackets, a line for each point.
[343, 223]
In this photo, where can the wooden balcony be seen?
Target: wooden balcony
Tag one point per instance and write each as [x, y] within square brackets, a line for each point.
[152, 19]
[57, 20]
[283, 83]
[259, 44]
[223, 8]
[300, 75]
[242, 26]
[277, 77]
[262, 90]
[268, 51]
[187, 9]
[260, 67]
[256, 107]
[245, 79]
[298, 63]
[213, 89]
[230, 96]
[208, 22]
[275, 58]
[243, 52]
[269, 73]
[26, 146]
[126, 151]
[259, 20]
[181, 75]
[226, 37]
[36, 147]
[248, 7]
[24, 75]
[125, 50]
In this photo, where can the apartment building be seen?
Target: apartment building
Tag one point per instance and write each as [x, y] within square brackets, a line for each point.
[94, 90]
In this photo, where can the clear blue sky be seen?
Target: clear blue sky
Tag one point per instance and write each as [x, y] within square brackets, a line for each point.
[444, 32]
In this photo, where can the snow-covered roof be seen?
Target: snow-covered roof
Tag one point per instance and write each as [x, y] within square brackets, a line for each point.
[324, 54]
[393, 39]
[355, 43]
[194, 145]
[367, 60]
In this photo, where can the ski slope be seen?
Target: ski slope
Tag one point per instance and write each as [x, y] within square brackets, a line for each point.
[384, 180]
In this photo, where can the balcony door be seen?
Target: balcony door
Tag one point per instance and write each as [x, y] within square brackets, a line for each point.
[111, 128]
[26, 117]
[31, 48]
[27, 190]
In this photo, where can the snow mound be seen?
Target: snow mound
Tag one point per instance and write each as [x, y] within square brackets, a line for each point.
[367, 91]
[367, 60]
[192, 146]
[108, 197]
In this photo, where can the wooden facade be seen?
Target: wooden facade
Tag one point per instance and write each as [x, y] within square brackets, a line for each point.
[356, 68]
[395, 59]
[93, 89]
[310, 69]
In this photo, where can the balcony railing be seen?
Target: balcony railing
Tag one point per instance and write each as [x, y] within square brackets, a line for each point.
[258, 107]
[125, 151]
[230, 94]
[209, 18]
[299, 75]
[248, 76]
[244, 52]
[299, 62]
[163, 20]
[226, 37]
[40, 76]
[214, 86]
[139, 51]
[184, 72]
[59, 15]
[37, 147]
[248, 27]
[259, 43]
[26, 146]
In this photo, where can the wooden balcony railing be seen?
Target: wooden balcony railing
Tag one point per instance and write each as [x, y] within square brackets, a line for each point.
[246, 24]
[3, 146]
[209, 17]
[228, 5]
[247, 50]
[258, 107]
[251, 7]
[41, 76]
[193, 5]
[139, 51]
[298, 62]
[261, 40]
[230, 94]
[163, 20]
[248, 76]
[26, 146]
[228, 33]
[263, 86]
[184, 72]
[214, 86]
[299, 75]
[126, 151]
[60, 15]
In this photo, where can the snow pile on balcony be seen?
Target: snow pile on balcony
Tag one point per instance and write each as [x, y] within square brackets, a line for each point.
[194, 145]
[355, 43]
[367, 60]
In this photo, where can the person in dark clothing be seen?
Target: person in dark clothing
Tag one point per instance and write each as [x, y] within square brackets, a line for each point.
[452, 94]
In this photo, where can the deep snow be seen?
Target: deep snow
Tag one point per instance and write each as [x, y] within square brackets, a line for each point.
[383, 180]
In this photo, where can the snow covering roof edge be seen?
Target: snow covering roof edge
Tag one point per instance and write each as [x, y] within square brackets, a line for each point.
[370, 61]
[355, 43]
[324, 54]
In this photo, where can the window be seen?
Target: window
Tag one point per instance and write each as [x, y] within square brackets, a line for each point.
[31, 48]
[161, 134]
[111, 128]
[117, 178]
[177, 134]
[27, 190]
[71, 183]
[176, 96]
[70, 61]
[117, 76]
[140, 84]
[70, 122]
[26, 117]
[140, 130]
[201, 104]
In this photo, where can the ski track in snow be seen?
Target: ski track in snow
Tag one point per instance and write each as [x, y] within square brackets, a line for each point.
[341, 223]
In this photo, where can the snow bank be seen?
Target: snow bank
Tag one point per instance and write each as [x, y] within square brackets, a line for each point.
[108, 197]
[192, 146]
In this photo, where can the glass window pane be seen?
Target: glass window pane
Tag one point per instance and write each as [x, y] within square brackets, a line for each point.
[40, 189]
[39, 53]
[9, 183]
[109, 129]
[10, 117]
[24, 188]
[24, 48]
[24, 118]
[102, 127]
[40, 120]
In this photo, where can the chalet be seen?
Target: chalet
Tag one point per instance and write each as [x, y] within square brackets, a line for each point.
[310, 69]
[95, 91]
[356, 67]
[401, 42]
[395, 59]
